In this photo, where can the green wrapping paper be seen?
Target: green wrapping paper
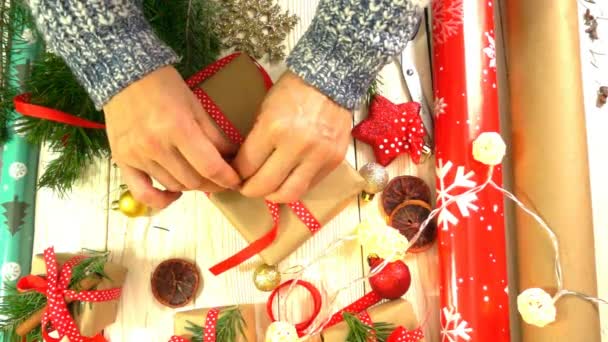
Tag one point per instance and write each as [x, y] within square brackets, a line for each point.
[19, 164]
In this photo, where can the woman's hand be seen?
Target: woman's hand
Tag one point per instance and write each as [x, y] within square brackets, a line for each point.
[299, 137]
[158, 129]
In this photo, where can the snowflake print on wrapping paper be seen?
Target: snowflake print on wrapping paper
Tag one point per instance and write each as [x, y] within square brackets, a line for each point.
[465, 203]
[11, 271]
[453, 327]
[490, 50]
[447, 19]
[440, 106]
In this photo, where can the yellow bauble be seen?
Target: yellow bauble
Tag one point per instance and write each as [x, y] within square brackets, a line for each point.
[129, 206]
[266, 278]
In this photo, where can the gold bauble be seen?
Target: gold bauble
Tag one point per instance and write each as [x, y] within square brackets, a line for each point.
[266, 277]
[129, 206]
[376, 179]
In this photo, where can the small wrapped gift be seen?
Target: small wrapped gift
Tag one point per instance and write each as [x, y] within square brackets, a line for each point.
[399, 313]
[81, 291]
[194, 324]
[233, 93]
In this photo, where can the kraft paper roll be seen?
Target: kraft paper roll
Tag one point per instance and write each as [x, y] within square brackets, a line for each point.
[550, 161]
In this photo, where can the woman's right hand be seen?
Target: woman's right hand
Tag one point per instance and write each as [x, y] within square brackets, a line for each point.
[158, 130]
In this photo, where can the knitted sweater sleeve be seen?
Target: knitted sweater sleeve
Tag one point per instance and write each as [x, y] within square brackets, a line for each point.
[348, 42]
[107, 43]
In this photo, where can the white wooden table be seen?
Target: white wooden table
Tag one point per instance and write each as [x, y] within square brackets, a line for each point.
[198, 231]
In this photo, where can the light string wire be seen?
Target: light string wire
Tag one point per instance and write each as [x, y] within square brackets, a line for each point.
[319, 324]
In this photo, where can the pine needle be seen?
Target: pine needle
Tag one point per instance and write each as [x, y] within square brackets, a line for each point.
[229, 324]
[361, 332]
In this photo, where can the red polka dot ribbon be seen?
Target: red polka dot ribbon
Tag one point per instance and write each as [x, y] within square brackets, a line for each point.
[55, 287]
[367, 320]
[237, 138]
[401, 334]
[360, 305]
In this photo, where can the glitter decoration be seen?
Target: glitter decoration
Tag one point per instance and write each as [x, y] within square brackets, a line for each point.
[256, 27]
[376, 179]
[266, 277]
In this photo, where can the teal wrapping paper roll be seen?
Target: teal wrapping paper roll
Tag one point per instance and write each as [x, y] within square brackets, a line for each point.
[19, 164]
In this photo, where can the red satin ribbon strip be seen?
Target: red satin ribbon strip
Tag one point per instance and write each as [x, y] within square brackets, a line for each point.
[316, 297]
[23, 106]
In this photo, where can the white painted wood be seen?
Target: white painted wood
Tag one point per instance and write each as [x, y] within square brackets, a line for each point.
[76, 220]
[595, 76]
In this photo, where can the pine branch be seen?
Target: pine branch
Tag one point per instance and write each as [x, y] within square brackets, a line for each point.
[16, 307]
[229, 323]
[361, 332]
[374, 88]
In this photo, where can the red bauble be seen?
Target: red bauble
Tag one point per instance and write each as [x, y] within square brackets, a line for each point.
[393, 281]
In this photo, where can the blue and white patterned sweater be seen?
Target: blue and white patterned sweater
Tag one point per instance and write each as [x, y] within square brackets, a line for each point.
[108, 44]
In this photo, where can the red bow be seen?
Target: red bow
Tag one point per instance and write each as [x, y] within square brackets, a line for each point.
[55, 287]
[392, 130]
[210, 323]
[401, 334]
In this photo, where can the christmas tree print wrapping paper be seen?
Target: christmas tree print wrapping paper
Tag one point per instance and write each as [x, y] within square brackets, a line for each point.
[471, 232]
[19, 163]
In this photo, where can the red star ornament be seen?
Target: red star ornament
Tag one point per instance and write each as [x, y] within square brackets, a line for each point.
[392, 130]
[403, 335]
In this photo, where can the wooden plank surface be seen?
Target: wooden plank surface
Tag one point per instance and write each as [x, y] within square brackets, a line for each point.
[594, 60]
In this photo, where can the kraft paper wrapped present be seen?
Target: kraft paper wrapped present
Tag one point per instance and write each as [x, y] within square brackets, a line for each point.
[254, 318]
[398, 312]
[91, 318]
[238, 89]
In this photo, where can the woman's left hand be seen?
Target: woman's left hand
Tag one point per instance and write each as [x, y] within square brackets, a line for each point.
[299, 137]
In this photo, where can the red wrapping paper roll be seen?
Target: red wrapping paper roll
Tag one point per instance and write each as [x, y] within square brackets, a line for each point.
[472, 247]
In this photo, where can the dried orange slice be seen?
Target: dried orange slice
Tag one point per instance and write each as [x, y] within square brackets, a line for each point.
[175, 282]
[407, 219]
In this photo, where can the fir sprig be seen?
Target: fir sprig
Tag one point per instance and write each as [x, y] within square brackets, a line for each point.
[14, 20]
[373, 89]
[16, 307]
[229, 323]
[361, 332]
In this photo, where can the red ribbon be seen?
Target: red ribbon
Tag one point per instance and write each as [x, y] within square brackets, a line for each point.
[360, 305]
[23, 106]
[401, 334]
[316, 298]
[55, 287]
[210, 326]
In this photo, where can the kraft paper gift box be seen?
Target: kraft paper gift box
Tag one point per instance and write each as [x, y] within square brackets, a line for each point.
[91, 318]
[254, 317]
[238, 90]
